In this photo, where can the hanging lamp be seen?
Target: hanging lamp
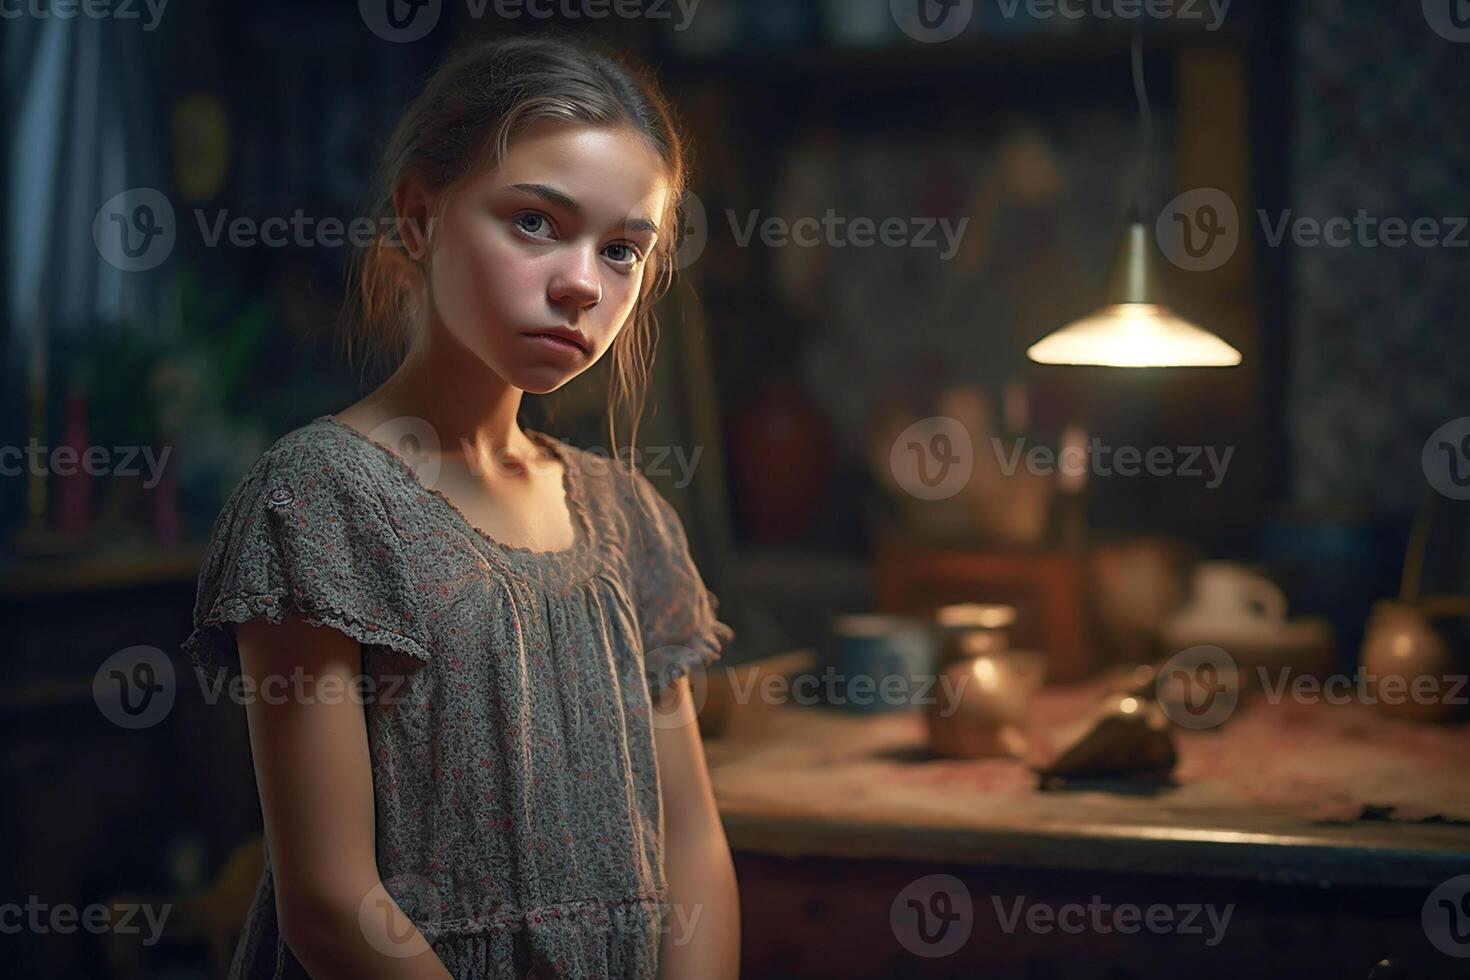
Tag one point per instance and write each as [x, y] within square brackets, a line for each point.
[1136, 328]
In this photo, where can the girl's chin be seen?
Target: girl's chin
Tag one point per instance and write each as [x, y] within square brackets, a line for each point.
[541, 379]
[536, 377]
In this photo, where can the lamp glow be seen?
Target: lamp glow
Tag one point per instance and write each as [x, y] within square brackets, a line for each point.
[1136, 329]
[1134, 335]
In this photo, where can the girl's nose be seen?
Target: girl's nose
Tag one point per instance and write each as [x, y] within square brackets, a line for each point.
[576, 282]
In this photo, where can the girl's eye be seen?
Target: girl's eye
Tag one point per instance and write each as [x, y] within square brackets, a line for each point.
[535, 220]
[628, 255]
[531, 222]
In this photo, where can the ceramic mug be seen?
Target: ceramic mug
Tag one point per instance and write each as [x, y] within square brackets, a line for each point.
[879, 662]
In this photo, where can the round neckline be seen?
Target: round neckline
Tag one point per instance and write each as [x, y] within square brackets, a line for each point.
[582, 528]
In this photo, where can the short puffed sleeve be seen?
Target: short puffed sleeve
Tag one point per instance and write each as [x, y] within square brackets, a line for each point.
[677, 613]
[304, 535]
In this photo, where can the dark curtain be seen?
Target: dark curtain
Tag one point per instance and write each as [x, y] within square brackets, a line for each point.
[79, 128]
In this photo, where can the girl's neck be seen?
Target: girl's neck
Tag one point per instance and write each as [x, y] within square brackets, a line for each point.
[468, 405]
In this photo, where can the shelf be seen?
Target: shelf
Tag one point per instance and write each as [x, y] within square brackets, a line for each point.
[34, 578]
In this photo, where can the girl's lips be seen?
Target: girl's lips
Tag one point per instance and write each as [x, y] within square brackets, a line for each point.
[555, 344]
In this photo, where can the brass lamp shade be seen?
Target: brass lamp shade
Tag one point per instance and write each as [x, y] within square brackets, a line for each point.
[1136, 328]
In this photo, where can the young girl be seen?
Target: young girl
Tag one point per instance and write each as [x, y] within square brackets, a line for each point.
[463, 642]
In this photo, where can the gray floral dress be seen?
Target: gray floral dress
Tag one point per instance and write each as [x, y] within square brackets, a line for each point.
[508, 694]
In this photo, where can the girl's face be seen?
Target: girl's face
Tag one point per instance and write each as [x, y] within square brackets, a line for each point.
[558, 237]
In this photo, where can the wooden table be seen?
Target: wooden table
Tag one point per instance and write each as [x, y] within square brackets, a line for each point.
[832, 816]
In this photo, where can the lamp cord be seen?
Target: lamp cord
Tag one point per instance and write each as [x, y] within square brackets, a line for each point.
[1138, 206]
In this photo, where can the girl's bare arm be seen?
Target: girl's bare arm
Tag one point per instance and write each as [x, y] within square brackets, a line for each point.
[312, 767]
[702, 922]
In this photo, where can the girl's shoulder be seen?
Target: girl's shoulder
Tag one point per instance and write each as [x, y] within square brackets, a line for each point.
[310, 531]
[324, 465]
[321, 433]
[322, 452]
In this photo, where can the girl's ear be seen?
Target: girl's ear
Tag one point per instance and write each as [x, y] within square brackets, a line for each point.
[413, 208]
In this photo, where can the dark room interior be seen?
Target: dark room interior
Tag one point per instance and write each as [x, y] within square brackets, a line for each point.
[1059, 430]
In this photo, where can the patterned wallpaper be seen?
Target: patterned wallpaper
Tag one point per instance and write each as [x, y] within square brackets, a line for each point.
[1380, 341]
